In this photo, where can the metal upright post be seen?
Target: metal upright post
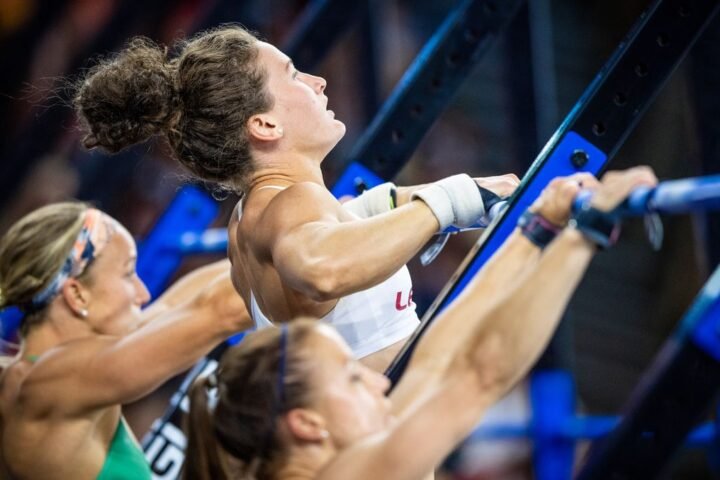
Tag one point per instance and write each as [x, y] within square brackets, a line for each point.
[594, 130]
[672, 397]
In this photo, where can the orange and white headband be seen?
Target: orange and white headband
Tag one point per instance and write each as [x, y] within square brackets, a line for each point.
[96, 231]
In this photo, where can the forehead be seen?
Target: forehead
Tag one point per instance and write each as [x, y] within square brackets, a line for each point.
[328, 349]
[271, 56]
[120, 246]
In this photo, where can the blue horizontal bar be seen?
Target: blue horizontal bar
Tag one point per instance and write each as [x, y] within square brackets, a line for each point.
[672, 196]
[583, 428]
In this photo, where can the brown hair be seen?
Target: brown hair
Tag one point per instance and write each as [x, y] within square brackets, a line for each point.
[252, 394]
[33, 251]
[200, 101]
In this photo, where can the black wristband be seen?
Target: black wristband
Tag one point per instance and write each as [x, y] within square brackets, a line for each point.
[597, 226]
[538, 229]
[489, 198]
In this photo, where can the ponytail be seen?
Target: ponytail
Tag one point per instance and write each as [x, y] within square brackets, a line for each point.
[205, 459]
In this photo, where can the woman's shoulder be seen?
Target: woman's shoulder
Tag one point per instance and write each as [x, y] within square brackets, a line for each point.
[301, 191]
[13, 373]
[68, 358]
[299, 203]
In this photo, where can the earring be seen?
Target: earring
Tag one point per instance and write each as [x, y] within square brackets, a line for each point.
[83, 313]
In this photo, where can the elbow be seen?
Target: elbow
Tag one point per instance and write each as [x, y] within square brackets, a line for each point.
[492, 361]
[323, 281]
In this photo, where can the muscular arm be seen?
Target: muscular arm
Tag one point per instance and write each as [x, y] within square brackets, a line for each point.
[323, 253]
[186, 288]
[500, 350]
[439, 346]
[98, 372]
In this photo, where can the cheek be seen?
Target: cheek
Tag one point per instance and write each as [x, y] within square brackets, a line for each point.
[353, 417]
[115, 297]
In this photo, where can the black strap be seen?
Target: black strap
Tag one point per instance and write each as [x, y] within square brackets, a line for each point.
[599, 227]
[538, 229]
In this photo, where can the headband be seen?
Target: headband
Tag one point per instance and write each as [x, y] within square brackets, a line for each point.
[93, 237]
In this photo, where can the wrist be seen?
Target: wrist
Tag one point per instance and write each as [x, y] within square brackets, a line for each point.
[537, 229]
[575, 238]
[378, 200]
[455, 201]
[599, 227]
[403, 194]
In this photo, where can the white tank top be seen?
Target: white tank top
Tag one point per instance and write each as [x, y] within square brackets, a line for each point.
[369, 320]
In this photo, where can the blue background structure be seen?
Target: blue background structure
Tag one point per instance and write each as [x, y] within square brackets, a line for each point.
[511, 102]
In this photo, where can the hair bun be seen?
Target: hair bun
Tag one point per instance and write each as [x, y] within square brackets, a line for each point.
[128, 98]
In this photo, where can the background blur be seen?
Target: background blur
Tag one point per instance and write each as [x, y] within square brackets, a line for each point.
[517, 96]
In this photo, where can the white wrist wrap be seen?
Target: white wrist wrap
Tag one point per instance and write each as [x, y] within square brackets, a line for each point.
[372, 202]
[454, 200]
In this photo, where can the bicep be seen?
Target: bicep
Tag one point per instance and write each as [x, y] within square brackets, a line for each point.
[300, 238]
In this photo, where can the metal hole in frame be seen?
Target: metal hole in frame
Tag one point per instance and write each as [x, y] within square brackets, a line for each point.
[663, 39]
[599, 128]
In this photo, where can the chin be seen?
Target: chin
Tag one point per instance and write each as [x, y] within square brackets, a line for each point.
[341, 126]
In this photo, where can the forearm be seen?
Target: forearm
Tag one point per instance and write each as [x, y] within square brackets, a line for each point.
[185, 289]
[439, 346]
[518, 328]
[506, 269]
[137, 364]
[331, 261]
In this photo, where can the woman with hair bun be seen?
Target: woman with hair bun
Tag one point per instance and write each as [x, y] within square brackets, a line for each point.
[236, 112]
[87, 348]
[293, 403]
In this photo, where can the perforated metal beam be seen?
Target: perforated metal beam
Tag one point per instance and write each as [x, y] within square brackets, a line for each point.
[594, 130]
[425, 90]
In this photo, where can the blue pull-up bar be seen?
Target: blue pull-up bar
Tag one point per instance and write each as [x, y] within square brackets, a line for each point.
[673, 196]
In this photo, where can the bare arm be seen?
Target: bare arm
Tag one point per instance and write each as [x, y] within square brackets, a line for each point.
[500, 351]
[439, 346]
[321, 251]
[186, 288]
[98, 372]
[502, 273]
[495, 354]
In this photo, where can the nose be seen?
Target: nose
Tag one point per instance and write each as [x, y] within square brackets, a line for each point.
[142, 295]
[319, 84]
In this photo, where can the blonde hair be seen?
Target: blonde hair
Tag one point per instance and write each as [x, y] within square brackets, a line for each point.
[33, 250]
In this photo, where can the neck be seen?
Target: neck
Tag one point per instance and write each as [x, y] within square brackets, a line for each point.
[305, 462]
[285, 169]
[56, 329]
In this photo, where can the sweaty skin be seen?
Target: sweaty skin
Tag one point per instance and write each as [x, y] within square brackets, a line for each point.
[294, 246]
[58, 414]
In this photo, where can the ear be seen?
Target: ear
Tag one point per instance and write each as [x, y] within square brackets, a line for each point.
[306, 425]
[264, 127]
[76, 296]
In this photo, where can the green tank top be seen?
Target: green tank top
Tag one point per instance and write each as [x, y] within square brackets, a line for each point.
[124, 460]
